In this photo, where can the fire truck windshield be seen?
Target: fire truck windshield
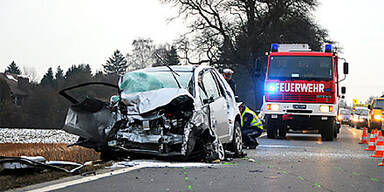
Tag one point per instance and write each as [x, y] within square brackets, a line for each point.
[317, 68]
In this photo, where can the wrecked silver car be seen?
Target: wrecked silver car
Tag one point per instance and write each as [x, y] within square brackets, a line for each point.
[178, 111]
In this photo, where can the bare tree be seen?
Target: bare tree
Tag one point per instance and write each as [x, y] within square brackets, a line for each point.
[142, 54]
[236, 33]
[239, 31]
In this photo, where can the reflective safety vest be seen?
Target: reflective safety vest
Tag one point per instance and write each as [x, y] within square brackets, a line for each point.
[255, 120]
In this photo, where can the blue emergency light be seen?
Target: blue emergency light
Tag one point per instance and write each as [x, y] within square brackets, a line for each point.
[271, 88]
[274, 47]
[328, 48]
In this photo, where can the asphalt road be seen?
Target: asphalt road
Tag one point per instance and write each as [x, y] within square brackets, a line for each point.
[302, 162]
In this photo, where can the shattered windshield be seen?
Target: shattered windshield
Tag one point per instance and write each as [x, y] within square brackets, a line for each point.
[135, 82]
[300, 68]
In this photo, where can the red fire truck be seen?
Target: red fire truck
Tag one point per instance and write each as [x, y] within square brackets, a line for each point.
[302, 91]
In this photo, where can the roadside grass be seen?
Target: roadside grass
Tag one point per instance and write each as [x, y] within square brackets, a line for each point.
[50, 151]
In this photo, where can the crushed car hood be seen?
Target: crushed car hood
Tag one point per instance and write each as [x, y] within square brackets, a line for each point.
[94, 124]
[143, 102]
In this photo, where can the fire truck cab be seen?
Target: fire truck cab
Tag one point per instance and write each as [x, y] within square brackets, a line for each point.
[302, 91]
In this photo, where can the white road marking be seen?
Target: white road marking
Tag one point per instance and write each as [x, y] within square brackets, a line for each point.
[85, 179]
[138, 164]
[283, 146]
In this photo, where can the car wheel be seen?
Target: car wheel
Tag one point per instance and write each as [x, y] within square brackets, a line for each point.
[214, 151]
[221, 151]
[237, 141]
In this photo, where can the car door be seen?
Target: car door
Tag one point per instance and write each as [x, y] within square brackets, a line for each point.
[217, 105]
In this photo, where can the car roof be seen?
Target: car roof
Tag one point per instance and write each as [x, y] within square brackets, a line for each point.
[178, 68]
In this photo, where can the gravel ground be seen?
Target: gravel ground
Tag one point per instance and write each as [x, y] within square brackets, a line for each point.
[35, 136]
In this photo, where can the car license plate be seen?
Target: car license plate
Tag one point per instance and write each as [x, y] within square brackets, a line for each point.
[299, 106]
[274, 116]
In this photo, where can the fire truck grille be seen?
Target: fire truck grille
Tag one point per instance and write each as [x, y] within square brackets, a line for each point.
[296, 98]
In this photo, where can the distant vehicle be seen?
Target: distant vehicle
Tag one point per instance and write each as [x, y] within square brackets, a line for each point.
[360, 118]
[375, 116]
[178, 111]
[345, 116]
[302, 91]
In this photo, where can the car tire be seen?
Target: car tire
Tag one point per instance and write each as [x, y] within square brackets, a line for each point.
[220, 149]
[237, 141]
[214, 151]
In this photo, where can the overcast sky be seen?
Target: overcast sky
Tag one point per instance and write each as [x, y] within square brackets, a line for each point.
[46, 33]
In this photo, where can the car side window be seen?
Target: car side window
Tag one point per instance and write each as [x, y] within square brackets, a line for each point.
[210, 85]
[201, 88]
[219, 85]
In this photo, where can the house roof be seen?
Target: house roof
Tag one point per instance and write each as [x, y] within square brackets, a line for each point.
[12, 81]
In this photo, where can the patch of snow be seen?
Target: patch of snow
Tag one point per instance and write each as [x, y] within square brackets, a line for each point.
[11, 77]
[36, 136]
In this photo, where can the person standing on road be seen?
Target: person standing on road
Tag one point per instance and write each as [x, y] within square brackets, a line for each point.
[251, 126]
[228, 76]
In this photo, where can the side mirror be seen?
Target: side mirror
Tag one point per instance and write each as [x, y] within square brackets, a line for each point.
[345, 67]
[343, 90]
[369, 106]
[209, 100]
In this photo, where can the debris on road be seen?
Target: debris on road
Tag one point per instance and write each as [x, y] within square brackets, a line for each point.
[159, 164]
[39, 163]
[251, 160]
[22, 171]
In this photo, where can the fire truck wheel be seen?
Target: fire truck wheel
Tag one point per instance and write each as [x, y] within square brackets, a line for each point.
[335, 133]
[282, 131]
[271, 128]
[327, 130]
[271, 132]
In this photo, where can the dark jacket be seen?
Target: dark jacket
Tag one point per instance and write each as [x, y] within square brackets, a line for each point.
[232, 83]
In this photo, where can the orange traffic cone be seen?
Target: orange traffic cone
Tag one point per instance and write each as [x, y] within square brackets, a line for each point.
[364, 137]
[379, 146]
[382, 163]
[371, 144]
[376, 135]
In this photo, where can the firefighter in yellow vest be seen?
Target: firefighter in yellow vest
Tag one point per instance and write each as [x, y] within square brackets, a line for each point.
[251, 126]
